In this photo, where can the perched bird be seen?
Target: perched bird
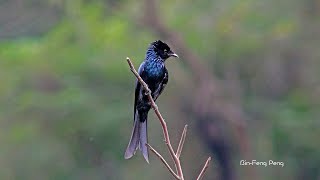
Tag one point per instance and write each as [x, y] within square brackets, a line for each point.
[154, 73]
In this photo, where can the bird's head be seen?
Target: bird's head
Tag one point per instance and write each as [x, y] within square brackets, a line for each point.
[163, 50]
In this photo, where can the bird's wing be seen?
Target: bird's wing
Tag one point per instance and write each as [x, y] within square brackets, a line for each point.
[136, 96]
[138, 87]
[163, 84]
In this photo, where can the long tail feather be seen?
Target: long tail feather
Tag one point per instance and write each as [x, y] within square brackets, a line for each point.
[139, 138]
[144, 140]
[134, 139]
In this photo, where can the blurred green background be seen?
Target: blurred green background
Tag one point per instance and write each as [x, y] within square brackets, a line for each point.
[66, 92]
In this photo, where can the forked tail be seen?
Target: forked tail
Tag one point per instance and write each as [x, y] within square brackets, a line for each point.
[139, 137]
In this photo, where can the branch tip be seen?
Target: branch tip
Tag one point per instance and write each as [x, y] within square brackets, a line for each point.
[181, 142]
[205, 167]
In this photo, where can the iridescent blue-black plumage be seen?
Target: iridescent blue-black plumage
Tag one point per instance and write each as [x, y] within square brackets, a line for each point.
[154, 73]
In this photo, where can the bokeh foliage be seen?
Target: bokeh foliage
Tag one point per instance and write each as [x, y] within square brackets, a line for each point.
[66, 93]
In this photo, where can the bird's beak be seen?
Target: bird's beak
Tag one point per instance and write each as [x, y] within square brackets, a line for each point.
[173, 55]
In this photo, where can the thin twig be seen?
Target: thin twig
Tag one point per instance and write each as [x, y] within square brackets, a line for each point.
[163, 160]
[162, 121]
[205, 167]
[182, 139]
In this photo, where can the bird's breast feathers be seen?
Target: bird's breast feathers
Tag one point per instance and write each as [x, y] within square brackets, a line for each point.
[154, 70]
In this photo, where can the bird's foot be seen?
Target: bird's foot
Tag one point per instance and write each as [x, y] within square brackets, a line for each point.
[147, 92]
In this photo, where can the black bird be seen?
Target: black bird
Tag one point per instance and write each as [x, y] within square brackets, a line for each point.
[153, 72]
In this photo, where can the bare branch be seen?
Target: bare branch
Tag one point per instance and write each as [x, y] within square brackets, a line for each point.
[162, 121]
[205, 167]
[163, 160]
[175, 156]
[182, 139]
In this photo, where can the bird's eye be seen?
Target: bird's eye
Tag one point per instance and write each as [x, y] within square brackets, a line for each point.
[165, 51]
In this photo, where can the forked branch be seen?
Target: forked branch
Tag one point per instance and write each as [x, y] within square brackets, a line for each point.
[163, 161]
[175, 156]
